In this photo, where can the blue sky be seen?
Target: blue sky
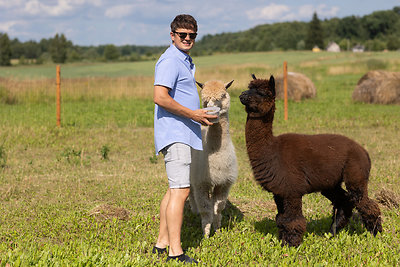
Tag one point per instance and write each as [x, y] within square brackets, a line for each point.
[146, 22]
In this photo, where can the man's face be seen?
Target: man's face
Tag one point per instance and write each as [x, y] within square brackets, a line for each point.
[182, 42]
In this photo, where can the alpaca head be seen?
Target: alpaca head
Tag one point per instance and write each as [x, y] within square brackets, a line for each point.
[214, 93]
[260, 98]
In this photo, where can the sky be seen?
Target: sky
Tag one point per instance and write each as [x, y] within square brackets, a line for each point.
[146, 22]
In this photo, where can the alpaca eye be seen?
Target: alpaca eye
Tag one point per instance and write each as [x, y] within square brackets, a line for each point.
[262, 93]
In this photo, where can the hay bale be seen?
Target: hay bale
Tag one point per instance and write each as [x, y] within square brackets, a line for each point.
[299, 87]
[378, 86]
[107, 212]
[388, 198]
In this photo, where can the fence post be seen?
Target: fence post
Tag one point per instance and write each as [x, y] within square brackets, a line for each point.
[285, 89]
[58, 96]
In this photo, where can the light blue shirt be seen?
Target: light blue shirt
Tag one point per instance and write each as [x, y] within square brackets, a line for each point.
[175, 70]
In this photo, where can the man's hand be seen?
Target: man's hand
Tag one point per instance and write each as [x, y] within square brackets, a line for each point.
[164, 100]
[201, 116]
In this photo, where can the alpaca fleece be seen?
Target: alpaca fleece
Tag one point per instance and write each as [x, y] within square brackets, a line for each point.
[214, 170]
[292, 165]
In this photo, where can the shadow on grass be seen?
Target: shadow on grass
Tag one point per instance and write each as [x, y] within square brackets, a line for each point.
[318, 227]
[192, 233]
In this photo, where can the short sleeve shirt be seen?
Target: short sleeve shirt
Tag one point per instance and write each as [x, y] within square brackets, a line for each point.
[175, 70]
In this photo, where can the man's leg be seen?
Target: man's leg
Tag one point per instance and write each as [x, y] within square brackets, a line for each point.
[163, 239]
[174, 218]
[177, 159]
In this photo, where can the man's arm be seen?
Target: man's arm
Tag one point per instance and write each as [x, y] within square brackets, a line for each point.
[164, 100]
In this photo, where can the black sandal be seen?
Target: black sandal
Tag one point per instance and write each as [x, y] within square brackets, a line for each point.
[182, 258]
[159, 251]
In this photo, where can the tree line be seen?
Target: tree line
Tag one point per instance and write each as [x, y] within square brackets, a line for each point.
[377, 31]
[61, 50]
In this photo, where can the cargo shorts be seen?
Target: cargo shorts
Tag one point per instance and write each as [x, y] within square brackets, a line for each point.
[177, 158]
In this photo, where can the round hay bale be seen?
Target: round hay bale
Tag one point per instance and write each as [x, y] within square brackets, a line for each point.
[378, 86]
[299, 87]
[106, 212]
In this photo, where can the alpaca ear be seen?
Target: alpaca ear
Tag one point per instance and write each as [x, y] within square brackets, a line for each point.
[254, 76]
[228, 84]
[271, 85]
[200, 84]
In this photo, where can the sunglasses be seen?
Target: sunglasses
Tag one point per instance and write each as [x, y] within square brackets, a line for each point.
[183, 35]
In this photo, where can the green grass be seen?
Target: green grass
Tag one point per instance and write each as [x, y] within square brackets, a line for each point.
[146, 68]
[53, 177]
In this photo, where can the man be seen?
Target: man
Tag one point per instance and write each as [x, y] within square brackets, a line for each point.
[177, 119]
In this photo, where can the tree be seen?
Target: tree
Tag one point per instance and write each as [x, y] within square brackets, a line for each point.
[315, 33]
[350, 28]
[380, 23]
[5, 50]
[58, 48]
[111, 52]
[393, 43]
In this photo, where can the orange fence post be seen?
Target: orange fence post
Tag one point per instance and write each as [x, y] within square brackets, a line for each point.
[285, 89]
[58, 96]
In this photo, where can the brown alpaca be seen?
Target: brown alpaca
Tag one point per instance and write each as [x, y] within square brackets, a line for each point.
[292, 165]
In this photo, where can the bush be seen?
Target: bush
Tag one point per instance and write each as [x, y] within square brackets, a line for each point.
[375, 45]
[393, 43]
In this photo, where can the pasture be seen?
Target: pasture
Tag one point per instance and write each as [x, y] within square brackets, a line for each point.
[88, 193]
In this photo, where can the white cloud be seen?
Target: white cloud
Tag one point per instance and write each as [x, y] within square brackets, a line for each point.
[7, 26]
[324, 11]
[10, 3]
[306, 12]
[274, 12]
[118, 12]
[35, 7]
[57, 8]
[270, 12]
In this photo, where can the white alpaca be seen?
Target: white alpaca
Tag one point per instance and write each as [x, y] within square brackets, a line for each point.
[213, 170]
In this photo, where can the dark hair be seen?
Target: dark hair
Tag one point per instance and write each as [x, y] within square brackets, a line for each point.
[184, 21]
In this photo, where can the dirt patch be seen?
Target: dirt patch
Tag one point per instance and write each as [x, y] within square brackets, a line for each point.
[255, 208]
[106, 212]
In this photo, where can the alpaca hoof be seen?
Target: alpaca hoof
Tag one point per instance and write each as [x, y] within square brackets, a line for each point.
[377, 229]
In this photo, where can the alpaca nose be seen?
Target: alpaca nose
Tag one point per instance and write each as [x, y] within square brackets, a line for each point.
[243, 98]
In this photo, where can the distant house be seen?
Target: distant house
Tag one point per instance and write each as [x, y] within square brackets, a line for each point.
[358, 48]
[316, 49]
[333, 47]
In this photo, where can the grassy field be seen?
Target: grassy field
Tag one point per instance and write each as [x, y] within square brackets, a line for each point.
[88, 193]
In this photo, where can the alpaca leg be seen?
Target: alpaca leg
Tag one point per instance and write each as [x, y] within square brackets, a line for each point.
[369, 211]
[220, 195]
[291, 223]
[192, 201]
[342, 208]
[356, 180]
[204, 206]
[279, 207]
[370, 214]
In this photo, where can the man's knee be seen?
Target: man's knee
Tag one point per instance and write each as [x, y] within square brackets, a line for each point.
[181, 193]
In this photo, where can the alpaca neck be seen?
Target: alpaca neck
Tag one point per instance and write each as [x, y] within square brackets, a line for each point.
[259, 130]
[260, 148]
[217, 134]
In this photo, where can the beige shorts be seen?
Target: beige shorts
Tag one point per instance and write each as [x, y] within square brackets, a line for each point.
[177, 158]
